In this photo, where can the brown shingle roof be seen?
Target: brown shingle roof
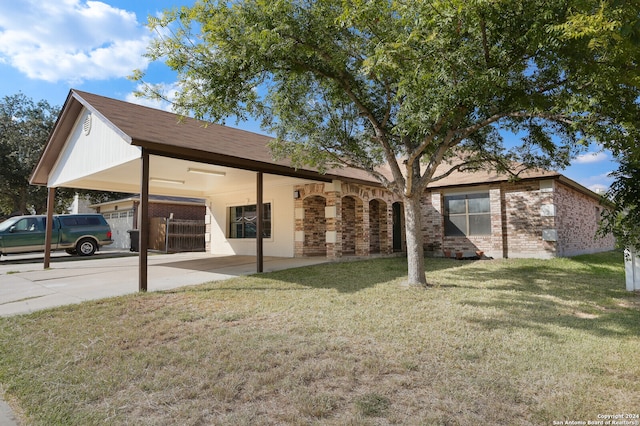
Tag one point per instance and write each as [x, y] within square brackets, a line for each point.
[479, 177]
[167, 134]
[149, 126]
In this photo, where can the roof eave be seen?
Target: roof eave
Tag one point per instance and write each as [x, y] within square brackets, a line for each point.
[48, 156]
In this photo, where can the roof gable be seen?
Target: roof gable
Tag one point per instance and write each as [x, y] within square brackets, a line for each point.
[92, 146]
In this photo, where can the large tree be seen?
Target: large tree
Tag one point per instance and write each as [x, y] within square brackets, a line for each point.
[622, 217]
[412, 84]
[617, 29]
[24, 128]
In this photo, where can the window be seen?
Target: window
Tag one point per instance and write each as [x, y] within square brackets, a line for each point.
[243, 221]
[80, 221]
[467, 214]
[27, 225]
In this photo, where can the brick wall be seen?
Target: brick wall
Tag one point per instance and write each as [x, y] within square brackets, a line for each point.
[314, 226]
[540, 219]
[524, 220]
[578, 217]
[333, 219]
[180, 211]
[432, 223]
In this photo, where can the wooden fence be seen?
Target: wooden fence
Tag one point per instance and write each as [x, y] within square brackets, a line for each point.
[175, 235]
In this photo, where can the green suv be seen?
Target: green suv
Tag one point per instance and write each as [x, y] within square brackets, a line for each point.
[80, 234]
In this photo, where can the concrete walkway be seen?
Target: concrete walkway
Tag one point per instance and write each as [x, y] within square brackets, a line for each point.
[26, 287]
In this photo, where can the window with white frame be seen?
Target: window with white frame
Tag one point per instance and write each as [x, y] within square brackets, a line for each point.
[243, 221]
[467, 214]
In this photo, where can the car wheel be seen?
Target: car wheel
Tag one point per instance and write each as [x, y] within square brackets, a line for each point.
[71, 251]
[86, 247]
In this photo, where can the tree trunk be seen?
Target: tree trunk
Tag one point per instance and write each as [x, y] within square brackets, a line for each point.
[414, 235]
[20, 204]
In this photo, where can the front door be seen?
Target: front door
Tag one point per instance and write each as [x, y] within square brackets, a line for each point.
[397, 227]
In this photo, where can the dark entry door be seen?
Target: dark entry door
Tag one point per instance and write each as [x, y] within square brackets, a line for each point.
[397, 227]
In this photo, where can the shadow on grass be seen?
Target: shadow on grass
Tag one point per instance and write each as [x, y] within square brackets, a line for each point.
[346, 276]
[585, 293]
[354, 275]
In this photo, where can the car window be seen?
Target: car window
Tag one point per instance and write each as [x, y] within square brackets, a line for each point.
[7, 224]
[80, 220]
[28, 224]
[68, 221]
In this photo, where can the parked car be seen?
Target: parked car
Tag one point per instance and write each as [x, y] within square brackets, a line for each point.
[80, 234]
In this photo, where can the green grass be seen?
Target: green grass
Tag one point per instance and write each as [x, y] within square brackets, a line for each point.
[492, 342]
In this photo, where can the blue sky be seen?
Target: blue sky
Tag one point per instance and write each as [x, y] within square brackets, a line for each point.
[48, 47]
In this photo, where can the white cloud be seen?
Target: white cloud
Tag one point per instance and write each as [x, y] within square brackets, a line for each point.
[71, 40]
[598, 182]
[168, 90]
[591, 157]
[599, 188]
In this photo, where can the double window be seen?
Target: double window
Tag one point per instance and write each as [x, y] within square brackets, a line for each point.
[243, 221]
[467, 214]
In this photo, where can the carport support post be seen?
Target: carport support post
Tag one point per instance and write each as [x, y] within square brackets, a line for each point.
[51, 198]
[143, 223]
[259, 220]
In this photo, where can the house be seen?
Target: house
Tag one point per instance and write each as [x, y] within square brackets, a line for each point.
[122, 214]
[106, 144]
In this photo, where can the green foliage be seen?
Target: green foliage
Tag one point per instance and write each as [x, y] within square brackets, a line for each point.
[614, 20]
[409, 84]
[624, 219]
[24, 129]
[362, 83]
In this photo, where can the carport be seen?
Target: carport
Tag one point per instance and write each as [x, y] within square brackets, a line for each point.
[104, 144]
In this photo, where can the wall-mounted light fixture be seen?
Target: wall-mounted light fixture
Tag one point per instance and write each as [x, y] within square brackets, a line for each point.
[163, 180]
[206, 172]
[296, 194]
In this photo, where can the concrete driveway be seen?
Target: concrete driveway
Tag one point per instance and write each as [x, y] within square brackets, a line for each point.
[26, 287]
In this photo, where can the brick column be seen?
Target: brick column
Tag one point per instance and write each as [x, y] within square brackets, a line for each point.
[497, 222]
[298, 222]
[333, 216]
[363, 236]
[386, 241]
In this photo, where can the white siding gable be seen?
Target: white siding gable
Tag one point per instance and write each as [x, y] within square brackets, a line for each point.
[90, 148]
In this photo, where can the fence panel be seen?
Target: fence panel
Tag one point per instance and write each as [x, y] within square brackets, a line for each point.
[157, 233]
[185, 235]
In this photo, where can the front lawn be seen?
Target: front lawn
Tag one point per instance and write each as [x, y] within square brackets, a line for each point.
[493, 342]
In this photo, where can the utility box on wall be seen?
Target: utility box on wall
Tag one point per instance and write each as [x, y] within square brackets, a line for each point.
[632, 269]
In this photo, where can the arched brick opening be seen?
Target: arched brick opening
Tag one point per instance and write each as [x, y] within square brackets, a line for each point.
[378, 234]
[315, 226]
